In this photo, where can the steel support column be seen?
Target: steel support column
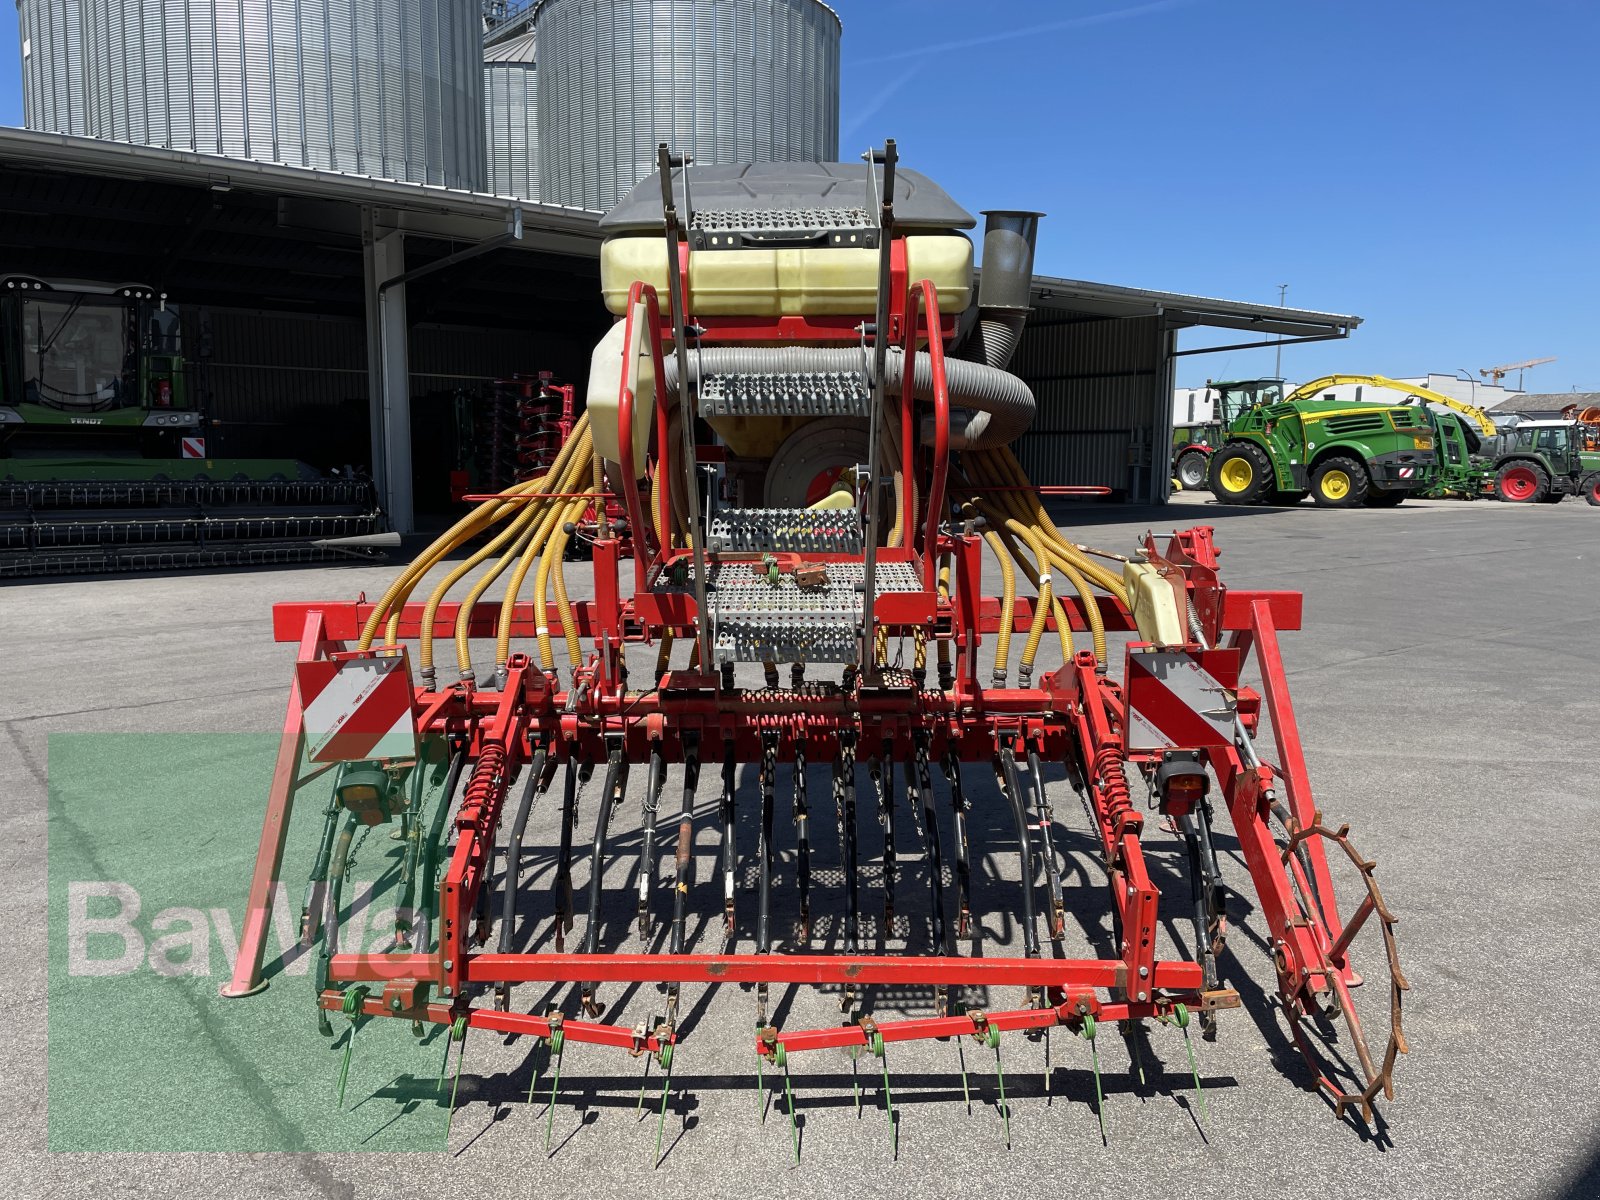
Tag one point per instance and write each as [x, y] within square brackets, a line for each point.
[388, 368]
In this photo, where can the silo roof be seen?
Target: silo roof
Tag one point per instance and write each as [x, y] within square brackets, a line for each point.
[520, 49]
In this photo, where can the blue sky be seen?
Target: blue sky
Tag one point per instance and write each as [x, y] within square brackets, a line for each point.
[1430, 167]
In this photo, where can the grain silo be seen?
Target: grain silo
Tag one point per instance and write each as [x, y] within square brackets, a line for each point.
[726, 81]
[52, 66]
[511, 116]
[391, 88]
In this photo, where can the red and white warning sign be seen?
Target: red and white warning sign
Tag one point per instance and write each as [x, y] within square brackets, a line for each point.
[194, 447]
[357, 707]
[1181, 698]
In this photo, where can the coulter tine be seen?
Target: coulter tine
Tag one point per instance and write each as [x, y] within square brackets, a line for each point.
[683, 859]
[802, 831]
[844, 784]
[1047, 850]
[769, 769]
[730, 768]
[616, 783]
[508, 911]
[958, 810]
[563, 883]
[647, 841]
[919, 781]
[1012, 787]
[882, 773]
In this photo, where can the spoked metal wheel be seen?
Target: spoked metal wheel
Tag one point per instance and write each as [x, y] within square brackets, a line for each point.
[1319, 996]
[1207, 900]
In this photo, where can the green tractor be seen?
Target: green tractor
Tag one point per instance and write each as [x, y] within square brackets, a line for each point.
[103, 463]
[1542, 462]
[1278, 448]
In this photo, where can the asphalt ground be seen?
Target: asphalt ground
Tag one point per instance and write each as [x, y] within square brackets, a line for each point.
[1445, 684]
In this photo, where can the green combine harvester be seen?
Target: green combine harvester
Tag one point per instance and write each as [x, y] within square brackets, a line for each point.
[103, 461]
[1269, 448]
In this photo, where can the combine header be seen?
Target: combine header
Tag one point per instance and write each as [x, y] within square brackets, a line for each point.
[811, 453]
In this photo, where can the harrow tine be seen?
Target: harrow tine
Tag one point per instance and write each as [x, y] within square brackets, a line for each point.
[351, 1008]
[615, 784]
[1089, 1030]
[730, 866]
[1180, 1017]
[802, 832]
[683, 861]
[563, 883]
[992, 1037]
[855, 1078]
[657, 781]
[665, 1055]
[1012, 787]
[1048, 1098]
[958, 809]
[1130, 1033]
[558, 1046]
[458, 1033]
[638, 1109]
[1047, 850]
[844, 782]
[788, 1091]
[539, 1043]
[761, 1084]
[888, 1095]
[961, 1061]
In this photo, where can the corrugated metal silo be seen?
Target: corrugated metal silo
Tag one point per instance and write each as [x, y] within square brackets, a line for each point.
[511, 116]
[391, 88]
[727, 81]
[52, 66]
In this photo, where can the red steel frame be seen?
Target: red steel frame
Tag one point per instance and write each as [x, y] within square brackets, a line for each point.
[1075, 714]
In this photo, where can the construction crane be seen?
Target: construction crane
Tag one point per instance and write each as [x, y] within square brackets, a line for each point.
[1496, 374]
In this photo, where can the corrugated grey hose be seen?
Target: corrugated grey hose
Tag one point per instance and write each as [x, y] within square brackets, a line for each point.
[1003, 404]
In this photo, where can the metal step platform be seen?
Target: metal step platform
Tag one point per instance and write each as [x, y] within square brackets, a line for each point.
[754, 619]
[789, 393]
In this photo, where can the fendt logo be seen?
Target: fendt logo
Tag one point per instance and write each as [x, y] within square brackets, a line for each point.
[86, 420]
